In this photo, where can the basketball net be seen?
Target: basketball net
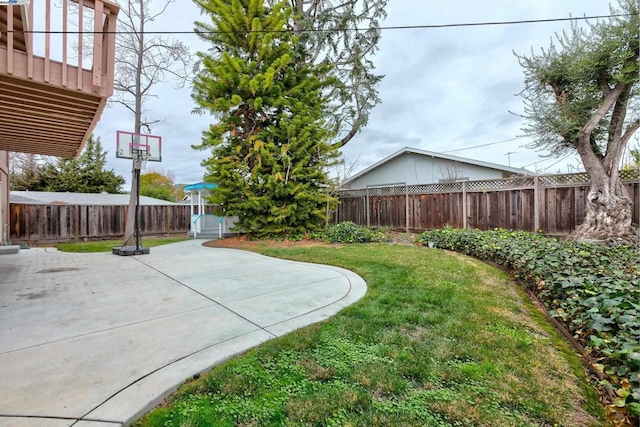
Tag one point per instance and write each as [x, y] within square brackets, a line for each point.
[140, 158]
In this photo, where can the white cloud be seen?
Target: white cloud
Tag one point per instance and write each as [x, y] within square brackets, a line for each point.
[444, 88]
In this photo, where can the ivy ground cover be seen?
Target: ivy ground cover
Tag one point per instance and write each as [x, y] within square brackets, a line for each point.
[593, 289]
[440, 339]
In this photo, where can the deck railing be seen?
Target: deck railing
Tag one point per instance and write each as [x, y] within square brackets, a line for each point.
[48, 40]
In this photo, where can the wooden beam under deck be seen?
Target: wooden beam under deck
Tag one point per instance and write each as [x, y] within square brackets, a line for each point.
[45, 147]
[42, 123]
[61, 102]
[36, 86]
[44, 113]
[40, 119]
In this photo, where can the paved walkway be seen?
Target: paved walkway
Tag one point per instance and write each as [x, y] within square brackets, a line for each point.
[93, 340]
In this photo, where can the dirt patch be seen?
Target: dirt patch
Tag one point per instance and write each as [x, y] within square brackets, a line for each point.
[242, 242]
[397, 238]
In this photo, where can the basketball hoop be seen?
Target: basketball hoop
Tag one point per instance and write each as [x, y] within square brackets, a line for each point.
[127, 144]
[140, 158]
[140, 148]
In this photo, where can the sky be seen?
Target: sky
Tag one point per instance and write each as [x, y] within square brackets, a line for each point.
[444, 89]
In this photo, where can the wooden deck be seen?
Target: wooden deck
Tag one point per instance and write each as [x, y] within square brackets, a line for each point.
[51, 97]
[51, 103]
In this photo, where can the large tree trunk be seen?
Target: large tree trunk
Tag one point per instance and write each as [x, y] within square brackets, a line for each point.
[608, 213]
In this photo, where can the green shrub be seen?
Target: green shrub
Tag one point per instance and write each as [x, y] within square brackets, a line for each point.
[348, 232]
[594, 290]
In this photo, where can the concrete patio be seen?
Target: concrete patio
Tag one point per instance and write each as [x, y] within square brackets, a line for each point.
[94, 340]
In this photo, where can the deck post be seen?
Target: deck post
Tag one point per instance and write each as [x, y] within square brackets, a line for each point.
[80, 27]
[47, 42]
[10, 39]
[97, 44]
[64, 43]
[29, 37]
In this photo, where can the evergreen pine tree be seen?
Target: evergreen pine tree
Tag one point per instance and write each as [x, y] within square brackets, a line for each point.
[85, 174]
[269, 144]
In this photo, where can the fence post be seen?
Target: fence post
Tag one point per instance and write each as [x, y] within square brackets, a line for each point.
[464, 204]
[166, 219]
[406, 206]
[367, 208]
[536, 204]
[76, 222]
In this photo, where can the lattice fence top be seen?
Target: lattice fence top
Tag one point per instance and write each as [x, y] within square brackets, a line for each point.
[501, 184]
[629, 175]
[583, 178]
[518, 182]
[387, 191]
[352, 193]
[573, 178]
[441, 187]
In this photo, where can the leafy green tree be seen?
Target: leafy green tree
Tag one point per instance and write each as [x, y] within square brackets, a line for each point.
[157, 185]
[343, 34]
[84, 174]
[26, 170]
[269, 145]
[581, 95]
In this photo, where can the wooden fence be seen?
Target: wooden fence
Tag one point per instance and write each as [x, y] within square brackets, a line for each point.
[551, 203]
[63, 223]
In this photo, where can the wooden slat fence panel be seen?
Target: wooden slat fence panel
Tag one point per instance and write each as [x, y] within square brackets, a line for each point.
[352, 209]
[491, 204]
[634, 193]
[425, 211]
[61, 223]
[563, 207]
[387, 211]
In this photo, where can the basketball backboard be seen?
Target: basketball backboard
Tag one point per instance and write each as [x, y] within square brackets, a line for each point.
[127, 142]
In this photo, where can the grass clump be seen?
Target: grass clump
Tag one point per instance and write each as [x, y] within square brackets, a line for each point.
[438, 340]
[594, 290]
[107, 245]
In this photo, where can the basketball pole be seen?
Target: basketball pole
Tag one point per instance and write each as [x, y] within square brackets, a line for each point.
[137, 207]
[139, 148]
[137, 160]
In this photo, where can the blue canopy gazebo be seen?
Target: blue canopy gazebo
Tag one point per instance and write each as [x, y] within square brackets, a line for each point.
[202, 224]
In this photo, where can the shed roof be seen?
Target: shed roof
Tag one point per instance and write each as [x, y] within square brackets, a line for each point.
[98, 199]
[405, 150]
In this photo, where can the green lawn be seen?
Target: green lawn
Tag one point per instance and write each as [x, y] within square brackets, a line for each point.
[107, 245]
[440, 339]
